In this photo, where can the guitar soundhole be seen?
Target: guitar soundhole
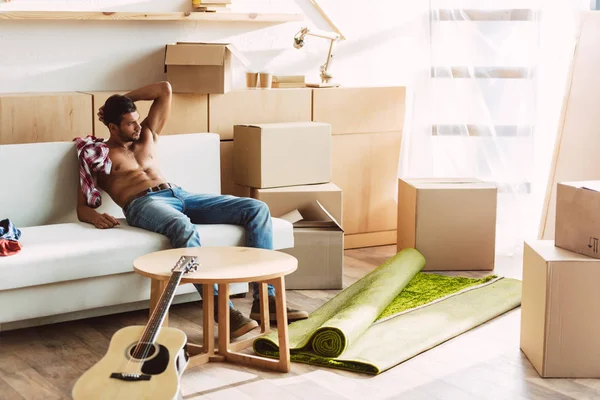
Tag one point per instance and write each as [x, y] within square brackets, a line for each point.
[142, 351]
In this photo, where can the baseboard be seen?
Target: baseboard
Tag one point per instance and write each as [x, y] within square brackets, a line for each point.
[370, 239]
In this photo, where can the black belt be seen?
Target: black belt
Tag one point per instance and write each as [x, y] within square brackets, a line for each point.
[156, 188]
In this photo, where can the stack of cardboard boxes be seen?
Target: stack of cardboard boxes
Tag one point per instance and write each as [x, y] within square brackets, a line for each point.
[560, 327]
[288, 166]
[362, 155]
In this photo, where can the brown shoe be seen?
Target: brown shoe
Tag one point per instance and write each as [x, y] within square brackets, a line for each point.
[292, 314]
[238, 324]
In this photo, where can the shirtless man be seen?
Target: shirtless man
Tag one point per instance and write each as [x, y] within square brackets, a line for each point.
[150, 202]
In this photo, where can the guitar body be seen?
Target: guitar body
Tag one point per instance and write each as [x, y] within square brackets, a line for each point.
[155, 376]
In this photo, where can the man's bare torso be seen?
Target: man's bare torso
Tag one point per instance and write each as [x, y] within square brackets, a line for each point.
[133, 169]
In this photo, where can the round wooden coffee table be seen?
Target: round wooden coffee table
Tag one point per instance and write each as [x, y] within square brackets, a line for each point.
[222, 266]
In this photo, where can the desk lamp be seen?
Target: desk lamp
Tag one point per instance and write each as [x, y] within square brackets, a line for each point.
[326, 77]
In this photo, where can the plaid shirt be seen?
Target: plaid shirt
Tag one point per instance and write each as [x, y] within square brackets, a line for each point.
[93, 157]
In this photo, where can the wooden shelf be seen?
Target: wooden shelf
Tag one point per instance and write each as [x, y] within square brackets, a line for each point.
[137, 16]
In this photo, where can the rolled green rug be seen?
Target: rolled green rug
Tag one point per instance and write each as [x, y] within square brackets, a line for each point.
[392, 314]
[377, 291]
[329, 342]
[343, 319]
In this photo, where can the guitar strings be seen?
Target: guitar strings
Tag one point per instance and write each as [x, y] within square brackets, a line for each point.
[134, 356]
[148, 343]
[173, 283]
[164, 300]
[144, 340]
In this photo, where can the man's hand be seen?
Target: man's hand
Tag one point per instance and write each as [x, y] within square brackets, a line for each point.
[101, 115]
[105, 221]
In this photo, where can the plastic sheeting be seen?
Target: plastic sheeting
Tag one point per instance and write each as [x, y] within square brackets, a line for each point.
[476, 108]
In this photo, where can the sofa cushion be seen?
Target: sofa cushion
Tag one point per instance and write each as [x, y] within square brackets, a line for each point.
[62, 252]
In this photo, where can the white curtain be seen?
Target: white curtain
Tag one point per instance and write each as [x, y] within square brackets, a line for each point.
[486, 98]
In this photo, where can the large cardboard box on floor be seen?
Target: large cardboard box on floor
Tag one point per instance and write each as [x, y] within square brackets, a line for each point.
[452, 222]
[577, 226]
[319, 248]
[282, 200]
[281, 154]
[201, 67]
[559, 311]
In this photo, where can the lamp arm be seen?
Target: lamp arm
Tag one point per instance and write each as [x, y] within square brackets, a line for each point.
[332, 37]
[323, 35]
[324, 74]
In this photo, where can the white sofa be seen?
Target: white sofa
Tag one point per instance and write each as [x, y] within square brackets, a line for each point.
[68, 269]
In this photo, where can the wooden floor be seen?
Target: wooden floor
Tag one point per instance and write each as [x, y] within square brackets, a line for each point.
[485, 363]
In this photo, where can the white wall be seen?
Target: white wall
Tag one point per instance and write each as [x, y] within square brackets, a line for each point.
[50, 56]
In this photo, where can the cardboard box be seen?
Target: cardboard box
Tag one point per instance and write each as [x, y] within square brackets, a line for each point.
[360, 109]
[365, 167]
[283, 199]
[282, 154]
[44, 117]
[319, 248]
[577, 225]
[227, 184]
[452, 222]
[245, 106]
[201, 67]
[559, 308]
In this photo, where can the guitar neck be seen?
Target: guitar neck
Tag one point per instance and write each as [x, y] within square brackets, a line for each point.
[160, 312]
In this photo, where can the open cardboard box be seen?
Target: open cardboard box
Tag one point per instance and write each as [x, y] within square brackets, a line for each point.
[319, 248]
[197, 67]
[302, 197]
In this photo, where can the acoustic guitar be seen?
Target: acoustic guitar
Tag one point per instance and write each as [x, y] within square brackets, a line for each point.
[142, 362]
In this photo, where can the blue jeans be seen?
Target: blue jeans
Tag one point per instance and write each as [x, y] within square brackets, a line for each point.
[173, 213]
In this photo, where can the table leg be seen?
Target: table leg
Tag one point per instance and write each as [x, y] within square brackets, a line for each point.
[265, 324]
[157, 287]
[208, 322]
[282, 325]
[205, 353]
[224, 320]
[230, 351]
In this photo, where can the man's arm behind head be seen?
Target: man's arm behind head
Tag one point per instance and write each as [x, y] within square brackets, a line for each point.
[160, 94]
